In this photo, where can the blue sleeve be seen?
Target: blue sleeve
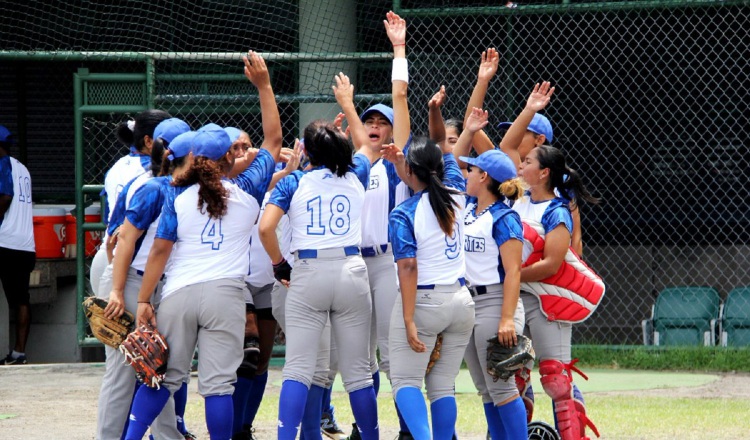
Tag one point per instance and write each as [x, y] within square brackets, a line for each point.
[401, 234]
[167, 228]
[506, 226]
[6, 177]
[361, 168]
[284, 191]
[557, 214]
[256, 178]
[118, 214]
[453, 177]
[145, 205]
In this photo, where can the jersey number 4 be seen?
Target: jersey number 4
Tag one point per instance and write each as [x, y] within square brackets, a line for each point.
[338, 223]
[212, 234]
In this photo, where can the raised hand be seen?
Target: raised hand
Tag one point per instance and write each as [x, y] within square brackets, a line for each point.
[338, 121]
[343, 90]
[488, 66]
[540, 96]
[393, 154]
[295, 157]
[477, 120]
[438, 99]
[256, 70]
[395, 28]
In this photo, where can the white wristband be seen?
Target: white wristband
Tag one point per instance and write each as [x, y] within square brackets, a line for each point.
[400, 70]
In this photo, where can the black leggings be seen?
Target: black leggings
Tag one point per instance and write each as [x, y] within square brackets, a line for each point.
[15, 268]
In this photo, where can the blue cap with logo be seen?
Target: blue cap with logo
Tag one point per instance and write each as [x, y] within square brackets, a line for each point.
[378, 108]
[539, 125]
[170, 128]
[211, 143]
[5, 134]
[496, 163]
[181, 145]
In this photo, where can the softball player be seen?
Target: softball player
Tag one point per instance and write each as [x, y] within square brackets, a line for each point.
[494, 287]
[324, 206]
[17, 248]
[122, 278]
[137, 134]
[205, 219]
[544, 171]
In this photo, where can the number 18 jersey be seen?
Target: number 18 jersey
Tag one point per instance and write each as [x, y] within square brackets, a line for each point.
[324, 209]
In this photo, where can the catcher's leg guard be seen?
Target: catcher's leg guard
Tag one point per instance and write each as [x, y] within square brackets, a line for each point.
[523, 383]
[569, 413]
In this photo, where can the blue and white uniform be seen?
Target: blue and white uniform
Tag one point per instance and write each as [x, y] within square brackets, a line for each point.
[551, 339]
[329, 278]
[443, 305]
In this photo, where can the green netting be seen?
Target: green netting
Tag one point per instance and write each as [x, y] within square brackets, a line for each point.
[650, 103]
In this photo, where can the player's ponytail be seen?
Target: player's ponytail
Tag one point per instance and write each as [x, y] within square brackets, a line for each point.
[565, 180]
[145, 124]
[325, 145]
[124, 132]
[212, 196]
[426, 162]
[158, 156]
[511, 189]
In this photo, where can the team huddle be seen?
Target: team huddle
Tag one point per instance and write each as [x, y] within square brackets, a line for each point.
[373, 248]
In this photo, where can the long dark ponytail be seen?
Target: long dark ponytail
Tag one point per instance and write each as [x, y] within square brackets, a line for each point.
[327, 146]
[564, 179]
[426, 162]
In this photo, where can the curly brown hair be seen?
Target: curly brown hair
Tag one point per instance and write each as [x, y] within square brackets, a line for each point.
[211, 193]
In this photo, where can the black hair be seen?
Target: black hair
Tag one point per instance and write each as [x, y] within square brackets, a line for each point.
[159, 154]
[571, 187]
[145, 124]
[426, 162]
[6, 145]
[455, 123]
[326, 145]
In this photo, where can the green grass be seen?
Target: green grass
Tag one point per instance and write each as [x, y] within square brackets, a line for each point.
[618, 416]
[638, 357]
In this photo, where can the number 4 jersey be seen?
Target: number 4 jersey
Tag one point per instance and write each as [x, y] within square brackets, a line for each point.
[206, 248]
[17, 226]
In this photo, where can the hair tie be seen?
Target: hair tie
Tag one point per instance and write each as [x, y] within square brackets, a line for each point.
[131, 125]
[434, 173]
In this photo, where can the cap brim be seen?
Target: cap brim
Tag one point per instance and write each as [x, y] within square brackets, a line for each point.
[504, 125]
[366, 114]
[469, 160]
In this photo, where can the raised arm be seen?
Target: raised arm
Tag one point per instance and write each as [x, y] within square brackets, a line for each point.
[292, 160]
[476, 121]
[537, 101]
[344, 93]
[436, 125]
[487, 70]
[394, 155]
[395, 28]
[257, 72]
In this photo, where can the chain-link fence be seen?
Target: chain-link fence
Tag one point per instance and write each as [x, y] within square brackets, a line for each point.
[650, 104]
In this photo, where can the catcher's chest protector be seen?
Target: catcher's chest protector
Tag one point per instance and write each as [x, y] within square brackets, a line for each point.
[573, 293]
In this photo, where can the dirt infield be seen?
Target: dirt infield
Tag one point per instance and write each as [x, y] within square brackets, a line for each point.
[59, 401]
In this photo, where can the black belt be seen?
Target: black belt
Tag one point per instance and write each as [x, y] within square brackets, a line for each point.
[461, 281]
[477, 290]
[140, 272]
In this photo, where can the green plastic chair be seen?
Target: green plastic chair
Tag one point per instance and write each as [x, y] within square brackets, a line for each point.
[684, 316]
[735, 322]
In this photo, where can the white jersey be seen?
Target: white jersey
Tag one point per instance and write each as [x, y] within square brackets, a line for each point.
[324, 210]
[206, 248]
[261, 267]
[17, 226]
[550, 213]
[123, 171]
[415, 233]
[145, 199]
[484, 233]
[380, 199]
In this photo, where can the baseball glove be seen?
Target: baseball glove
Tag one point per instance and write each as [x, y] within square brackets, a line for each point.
[146, 351]
[435, 355]
[109, 331]
[502, 362]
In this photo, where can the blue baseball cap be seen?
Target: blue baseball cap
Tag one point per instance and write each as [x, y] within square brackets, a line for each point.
[210, 126]
[539, 124]
[211, 143]
[379, 108]
[496, 163]
[181, 145]
[5, 134]
[234, 133]
[170, 128]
